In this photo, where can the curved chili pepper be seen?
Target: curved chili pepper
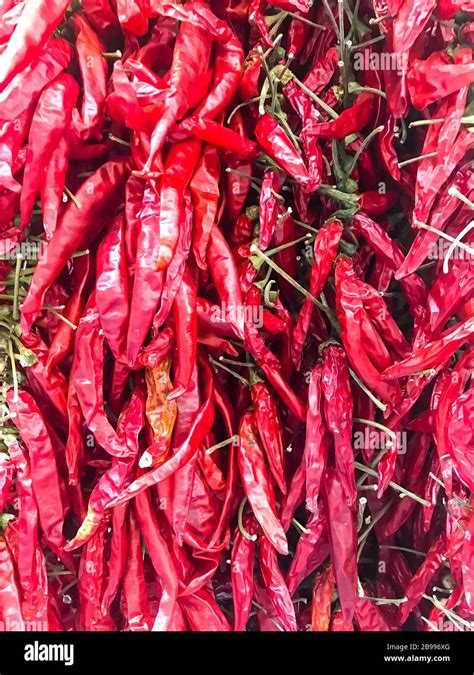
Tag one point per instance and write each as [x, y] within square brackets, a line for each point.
[257, 483]
[311, 551]
[96, 194]
[52, 187]
[31, 563]
[351, 120]
[52, 116]
[228, 61]
[379, 314]
[93, 68]
[148, 283]
[433, 353]
[35, 26]
[63, 339]
[350, 308]
[113, 481]
[205, 194]
[190, 63]
[270, 431]
[47, 484]
[422, 578]
[275, 585]
[325, 249]
[199, 429]
[274, 141]
[134, 584]
[185, 316]
[161, 559]
[178, 171]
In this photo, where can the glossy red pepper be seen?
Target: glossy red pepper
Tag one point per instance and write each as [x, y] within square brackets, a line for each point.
[257, 483]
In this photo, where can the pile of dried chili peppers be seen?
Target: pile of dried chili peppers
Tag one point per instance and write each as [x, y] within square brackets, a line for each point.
[237, 315]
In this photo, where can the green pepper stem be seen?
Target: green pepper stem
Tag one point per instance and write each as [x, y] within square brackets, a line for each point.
[394, 486]
[243, 531]
[404, 549]
[222, 444]
[374, 399]
[453, 191]
[255, 99]
[120, 141]
[377, 425]
[233, 362]
[228, 370]
[373, 41]
[300, 527]
[60, 316]
[71, 196]
[455, 244]
[362, 147]
[14, 371]
[332, 113]
[370, 90]
[254, 250]
[417, 159]
[278, 249]
[16, 288]
[440, 233]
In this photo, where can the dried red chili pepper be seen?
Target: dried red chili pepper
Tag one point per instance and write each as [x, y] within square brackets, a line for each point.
[275, 585]
[200, 427]
[35, 26]
[433, 353]
[343, 543]
[350, 308]
[178, 170]
[422, 578]
[31, 562]
[270, 430]
[93, 67]
[321, 600]
[52, 116]
[10, 602]
[111, 287]
[257, 483]
[317, 441]
[92, 570]
[185, 316]
[242, 564]
[205, 194]
[274, 141]
[338, 412]
[47, 484]
[95, 195]
[325, 250]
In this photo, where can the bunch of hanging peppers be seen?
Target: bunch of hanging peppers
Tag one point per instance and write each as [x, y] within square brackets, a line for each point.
[237, 315]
